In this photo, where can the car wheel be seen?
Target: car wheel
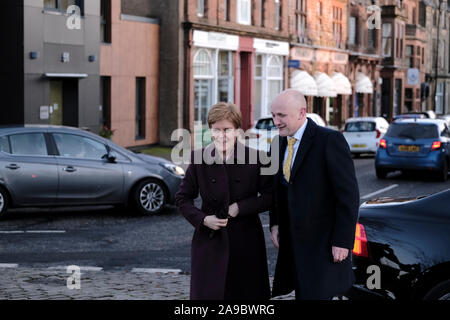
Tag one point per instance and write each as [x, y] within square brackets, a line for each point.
[444, 173]
[381, 173]
[439, 292]
[3, 203]
[150, 197]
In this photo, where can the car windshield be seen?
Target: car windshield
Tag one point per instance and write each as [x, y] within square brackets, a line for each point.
[360, 126]
[265, 124]
[413, 131]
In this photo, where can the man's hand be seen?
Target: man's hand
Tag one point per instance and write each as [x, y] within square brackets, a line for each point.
[233, 210]
[215, 223]
[275, 236]
[339, 254]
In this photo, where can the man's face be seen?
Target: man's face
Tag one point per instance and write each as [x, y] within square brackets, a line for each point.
[287, 117]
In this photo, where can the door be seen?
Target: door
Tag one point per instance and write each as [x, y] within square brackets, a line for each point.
[27, 169]
[64, 102]
[85, 177]
[246, 93]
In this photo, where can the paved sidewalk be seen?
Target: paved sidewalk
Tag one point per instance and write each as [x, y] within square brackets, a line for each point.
[50, 284]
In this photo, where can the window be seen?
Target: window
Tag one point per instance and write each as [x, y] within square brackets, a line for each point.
[387, 40]
[319, 19]
[263, 13]
[28, 144]
[352, 31]
[409, 56]
[105, 91]
[4, 145]
[105, 21]
[225, 77]
[337, 26]
[244, 9]
[74, 146]
[372, 38]
[422, 14]
[300, 20]
[62, 5]
[227, 10]
[140, 107]
[414, 20]
[201, 6]
[440, 98]
[268, 82]
[277, 15]
[423, 55]
[213, 80]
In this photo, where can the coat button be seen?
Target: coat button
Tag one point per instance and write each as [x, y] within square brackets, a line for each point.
[215, 199]
[237, 180]
[213, 180]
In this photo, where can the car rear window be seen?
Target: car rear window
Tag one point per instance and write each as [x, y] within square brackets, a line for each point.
[360, 126]
[413, 131]
[265, 124]
[4, 145]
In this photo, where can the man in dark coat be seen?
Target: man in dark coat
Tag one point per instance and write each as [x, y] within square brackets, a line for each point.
[316, 201]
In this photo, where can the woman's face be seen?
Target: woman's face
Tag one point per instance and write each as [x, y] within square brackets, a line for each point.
[224, 135]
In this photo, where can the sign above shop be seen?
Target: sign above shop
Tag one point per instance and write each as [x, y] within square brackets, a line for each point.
[271, 46]
[215, 40]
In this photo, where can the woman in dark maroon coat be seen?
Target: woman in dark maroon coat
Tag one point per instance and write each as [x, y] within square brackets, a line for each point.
[228, 255]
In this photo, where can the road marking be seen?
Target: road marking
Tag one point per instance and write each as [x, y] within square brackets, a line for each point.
[45, 231]
[33, 231]
[380, 191]
[151, 270]
[11, 232]
[8, 265]
[85, 268]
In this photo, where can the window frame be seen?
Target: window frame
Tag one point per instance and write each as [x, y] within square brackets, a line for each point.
[58, 7]
[58, 153]
[300, 20]
[47, 145]
[239, 7]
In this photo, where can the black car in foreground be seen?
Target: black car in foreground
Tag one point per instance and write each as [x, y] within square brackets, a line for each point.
[402, 249]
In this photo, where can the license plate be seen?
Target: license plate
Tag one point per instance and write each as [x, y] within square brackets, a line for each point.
[408, 148]
[359, 146]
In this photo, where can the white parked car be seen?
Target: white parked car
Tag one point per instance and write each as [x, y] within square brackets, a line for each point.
[363, 134]
[261, 135]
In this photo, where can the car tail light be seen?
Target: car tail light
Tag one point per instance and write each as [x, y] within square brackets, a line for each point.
[436, 145]
[360, 247]
[383, 143]
[378, 133]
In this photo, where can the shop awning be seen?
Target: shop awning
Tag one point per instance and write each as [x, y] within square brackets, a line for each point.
[363, 83]
[303, 82]
[341, 83]
[325, 86]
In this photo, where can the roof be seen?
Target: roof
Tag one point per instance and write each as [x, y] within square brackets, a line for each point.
[421, 121]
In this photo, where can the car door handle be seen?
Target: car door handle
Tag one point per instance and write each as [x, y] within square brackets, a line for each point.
[69, 169]
[13, 167]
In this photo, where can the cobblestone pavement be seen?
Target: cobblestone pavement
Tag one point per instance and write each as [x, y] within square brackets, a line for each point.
[48, 284]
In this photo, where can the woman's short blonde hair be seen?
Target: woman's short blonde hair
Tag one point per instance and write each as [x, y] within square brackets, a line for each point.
[225, 111]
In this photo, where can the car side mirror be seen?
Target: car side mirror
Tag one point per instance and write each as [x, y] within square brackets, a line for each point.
[110, 157]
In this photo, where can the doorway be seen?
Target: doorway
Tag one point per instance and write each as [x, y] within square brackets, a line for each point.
[64, 102]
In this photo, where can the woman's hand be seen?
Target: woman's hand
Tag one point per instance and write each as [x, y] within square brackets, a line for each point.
[233, 210]
[215, 223]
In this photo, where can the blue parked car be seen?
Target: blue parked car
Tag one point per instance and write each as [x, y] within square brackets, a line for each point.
[415, 144]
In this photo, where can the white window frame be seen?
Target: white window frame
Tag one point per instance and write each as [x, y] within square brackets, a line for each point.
[201, 8]
[277, 15]
[239, 7]
[264, 78]
[215, 76]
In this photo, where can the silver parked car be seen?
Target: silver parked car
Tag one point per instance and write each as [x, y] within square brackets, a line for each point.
[62, 166]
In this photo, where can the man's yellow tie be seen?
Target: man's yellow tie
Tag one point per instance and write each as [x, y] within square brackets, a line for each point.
[288, 163]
